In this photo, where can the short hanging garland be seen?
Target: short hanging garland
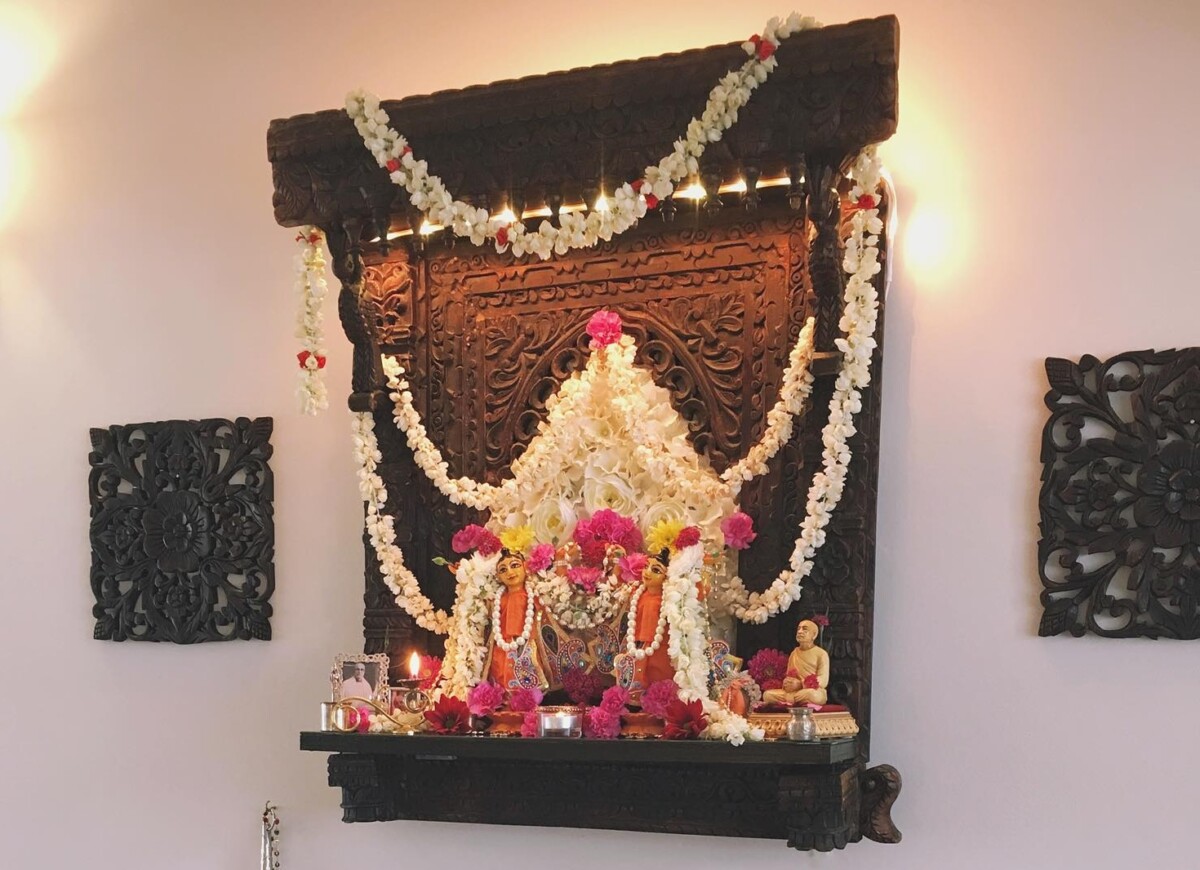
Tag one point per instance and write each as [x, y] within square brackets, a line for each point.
[630, 201]
[310, 284]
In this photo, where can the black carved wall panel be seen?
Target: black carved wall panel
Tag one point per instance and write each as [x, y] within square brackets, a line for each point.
[1120, 499]
[182, 530]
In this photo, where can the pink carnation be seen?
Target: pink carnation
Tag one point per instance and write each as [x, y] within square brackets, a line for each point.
[600, 724]
[739, 530]
[604, 328]
[688, 537]
[484, 699]
[585, 578]
[529, 725]
[525, 699]
[582, 687]
[632, 566]
[475, 537]
[593, 552]
[659, 696]
[540, 559]
[615, 700]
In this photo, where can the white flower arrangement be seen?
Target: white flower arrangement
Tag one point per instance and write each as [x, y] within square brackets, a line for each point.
[629, 202]
[312, 288]
[466, 644]
[575, 610]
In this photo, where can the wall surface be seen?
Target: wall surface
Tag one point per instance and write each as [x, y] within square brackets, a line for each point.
[1044, 170]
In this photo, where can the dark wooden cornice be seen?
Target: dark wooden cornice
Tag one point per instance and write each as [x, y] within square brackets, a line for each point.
[564, 136]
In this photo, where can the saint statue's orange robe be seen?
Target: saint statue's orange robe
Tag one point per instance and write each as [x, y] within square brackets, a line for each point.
[526, 669]
[657, 666]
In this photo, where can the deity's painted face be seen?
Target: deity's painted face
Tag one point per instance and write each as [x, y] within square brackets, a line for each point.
[654, 574]
[806, 633]
[511, 571]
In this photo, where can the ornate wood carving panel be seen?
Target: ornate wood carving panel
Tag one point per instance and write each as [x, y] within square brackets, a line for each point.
[182, 530]
[1120, 499]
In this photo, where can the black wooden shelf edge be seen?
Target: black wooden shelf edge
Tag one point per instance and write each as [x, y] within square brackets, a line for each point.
[821, 753]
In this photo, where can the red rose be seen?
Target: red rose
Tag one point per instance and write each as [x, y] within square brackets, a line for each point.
[502, 236]
[687, 537]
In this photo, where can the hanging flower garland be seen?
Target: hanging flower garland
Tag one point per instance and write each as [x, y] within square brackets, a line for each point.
[382, 532]
[466, 644]
[576, 230]
[861, 263]
[310, 284]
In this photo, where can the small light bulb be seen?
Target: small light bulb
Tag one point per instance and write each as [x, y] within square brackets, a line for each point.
[695, 190]
[601, 203]
[505, 217]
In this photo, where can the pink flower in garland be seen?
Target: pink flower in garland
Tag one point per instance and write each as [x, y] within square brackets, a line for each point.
[658, 696]
[768, 667]
[631, 566]
[738, 529]
[615, 700]
[475, 537]
[484, 699]
[540, 559]
[600, 724]
[525, 699]
[604, 328]
[529, 725]
[688, 537]
[585, 578]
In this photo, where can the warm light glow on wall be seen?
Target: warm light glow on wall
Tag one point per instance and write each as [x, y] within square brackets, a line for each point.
[27, 53]
[935, 240]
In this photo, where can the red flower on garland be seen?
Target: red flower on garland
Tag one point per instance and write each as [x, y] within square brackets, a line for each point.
[688, 537]
[764, 48]
[449, 716]
[502, 236]
[393, 165]
[866, 201]
[637, 185]
[651, 201]
[303, 357]
[685, 721]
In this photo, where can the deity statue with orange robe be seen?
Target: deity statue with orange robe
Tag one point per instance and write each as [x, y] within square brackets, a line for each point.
[657, 665]
[521, 666]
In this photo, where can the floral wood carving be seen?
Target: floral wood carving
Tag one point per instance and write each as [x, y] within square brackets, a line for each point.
[1120, 499]
[182, 530]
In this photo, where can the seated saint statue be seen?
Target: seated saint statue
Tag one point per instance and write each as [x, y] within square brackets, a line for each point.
[520, 667]
[656, 666]
[807, 672]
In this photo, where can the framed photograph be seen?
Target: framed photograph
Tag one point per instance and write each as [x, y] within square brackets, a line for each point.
[360, 676]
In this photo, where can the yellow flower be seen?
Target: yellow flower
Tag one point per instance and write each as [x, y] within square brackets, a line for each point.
[662, 535]
[517, 539]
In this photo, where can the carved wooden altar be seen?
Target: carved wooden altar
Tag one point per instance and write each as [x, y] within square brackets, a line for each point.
[713, 291]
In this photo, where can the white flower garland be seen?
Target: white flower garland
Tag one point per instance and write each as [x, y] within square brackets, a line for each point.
[688, 647]
[576, 230]
[466, 643]
[858, 322]
[311, 285]
[575, 610]
[382, 533]
[793, 394]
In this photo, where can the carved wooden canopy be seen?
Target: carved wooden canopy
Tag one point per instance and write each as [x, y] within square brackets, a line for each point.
[715, 292]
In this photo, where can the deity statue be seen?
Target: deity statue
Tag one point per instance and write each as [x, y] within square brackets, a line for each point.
[657, 665]
[807, 671]
[519, 666]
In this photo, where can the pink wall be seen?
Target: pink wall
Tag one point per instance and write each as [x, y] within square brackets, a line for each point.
[142, 277]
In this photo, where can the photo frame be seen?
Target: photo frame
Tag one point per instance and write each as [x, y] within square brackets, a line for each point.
[374, 672]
